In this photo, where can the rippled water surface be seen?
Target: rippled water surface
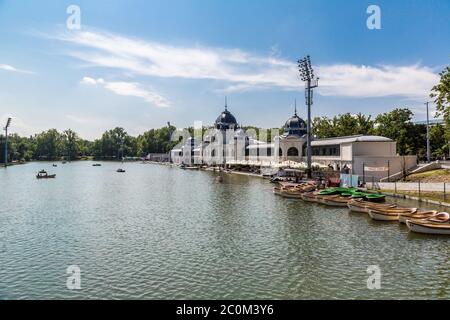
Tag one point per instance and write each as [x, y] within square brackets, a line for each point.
[157, 232]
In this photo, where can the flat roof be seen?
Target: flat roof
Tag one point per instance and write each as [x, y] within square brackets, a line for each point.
[349, 139]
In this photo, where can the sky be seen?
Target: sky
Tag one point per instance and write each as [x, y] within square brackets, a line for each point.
[139, 64]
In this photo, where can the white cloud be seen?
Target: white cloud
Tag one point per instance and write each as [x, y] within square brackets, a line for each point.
[240, 70]
[133, 89]
[347, 80]
[7, 67]
[18, 125]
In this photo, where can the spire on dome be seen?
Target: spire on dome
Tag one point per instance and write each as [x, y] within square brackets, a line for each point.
[226, 104]
[295, 106]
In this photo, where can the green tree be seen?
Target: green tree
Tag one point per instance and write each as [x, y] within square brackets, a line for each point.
[49, 145]
[441, 93]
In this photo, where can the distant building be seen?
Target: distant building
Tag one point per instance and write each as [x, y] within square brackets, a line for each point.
[227, 144]
[158, 157]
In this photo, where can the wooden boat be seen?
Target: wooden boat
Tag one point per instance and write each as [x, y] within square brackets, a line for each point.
[44, 175]
[309, 197]
[96, 165]
[358, 205]
[439, 224]
[120, 170]
[419, 215]
[291, 194]
[389, 214]
[55, 165]
[335, 201]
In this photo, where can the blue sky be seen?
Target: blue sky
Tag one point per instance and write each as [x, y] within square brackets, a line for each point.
[138, 64]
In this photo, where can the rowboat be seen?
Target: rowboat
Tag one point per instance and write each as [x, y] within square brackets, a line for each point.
[439, 224]
[290, 193]
[389, 214]
[375, 197]
[335, 201]
[358, 205]
[419, 215]
[44, 175]
[309, 197]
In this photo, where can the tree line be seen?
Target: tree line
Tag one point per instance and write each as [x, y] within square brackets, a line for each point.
[114, 144]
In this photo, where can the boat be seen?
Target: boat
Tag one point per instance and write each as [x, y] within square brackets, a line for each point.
[419, 215]
[375, 197]
[120, 170]
[44, 175]
[359, 205]
[338, 201]
[291, 194]
[438, 225]
[389, 214]
[55, 165]
[310, 197]
[96, 165]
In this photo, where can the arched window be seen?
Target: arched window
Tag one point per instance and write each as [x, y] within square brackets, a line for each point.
[280, 152]
[292, 152]
[213, 153]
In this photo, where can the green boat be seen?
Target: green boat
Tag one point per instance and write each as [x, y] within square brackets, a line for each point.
[374, 197]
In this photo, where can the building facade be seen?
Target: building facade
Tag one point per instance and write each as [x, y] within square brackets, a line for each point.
[226, 144]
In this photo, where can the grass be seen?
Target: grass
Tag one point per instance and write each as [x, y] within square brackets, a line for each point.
[438, 175]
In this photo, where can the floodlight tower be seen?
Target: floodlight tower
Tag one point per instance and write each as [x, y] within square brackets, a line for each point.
[311, 82]
[8, 123]
[428, 135]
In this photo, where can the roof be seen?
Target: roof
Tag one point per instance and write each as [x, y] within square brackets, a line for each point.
[349, 139]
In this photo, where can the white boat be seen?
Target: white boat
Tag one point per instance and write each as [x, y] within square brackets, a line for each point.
[388, 214]
[335, 201]
[419, 215]
[364, 206]
[427, 227]
[310, 197]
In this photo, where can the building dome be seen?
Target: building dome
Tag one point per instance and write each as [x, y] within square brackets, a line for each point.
[226, 121]
[295, 125]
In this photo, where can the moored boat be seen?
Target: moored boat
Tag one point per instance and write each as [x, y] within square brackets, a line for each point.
[438, 224]
[359, 205]
[419, 215]
[338, 201]
[389, 214]
[120, 170]
[309, 197]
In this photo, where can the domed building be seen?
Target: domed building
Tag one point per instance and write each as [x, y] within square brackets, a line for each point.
[226, 144]
[290, 143]
[226, 120]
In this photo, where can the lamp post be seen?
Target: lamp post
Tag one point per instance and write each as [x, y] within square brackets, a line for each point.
[8, 123]
[311, 82]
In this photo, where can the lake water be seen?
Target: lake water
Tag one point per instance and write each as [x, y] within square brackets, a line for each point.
[157, 232]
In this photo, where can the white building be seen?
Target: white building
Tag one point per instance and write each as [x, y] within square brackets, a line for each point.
[227, 144]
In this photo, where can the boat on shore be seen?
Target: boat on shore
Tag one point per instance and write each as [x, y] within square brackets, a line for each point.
[44, 175]
[438, 224]
[419, 215]
[389, 214]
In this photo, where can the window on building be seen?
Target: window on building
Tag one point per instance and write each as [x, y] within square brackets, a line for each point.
[292, 152]
[280, 152]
